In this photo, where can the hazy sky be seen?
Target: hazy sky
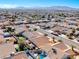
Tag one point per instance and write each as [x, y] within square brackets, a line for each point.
[38, 3]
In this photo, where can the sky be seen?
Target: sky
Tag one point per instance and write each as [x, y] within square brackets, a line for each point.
[38, 3]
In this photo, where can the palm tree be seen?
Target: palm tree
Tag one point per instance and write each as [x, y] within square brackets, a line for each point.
[72, 47]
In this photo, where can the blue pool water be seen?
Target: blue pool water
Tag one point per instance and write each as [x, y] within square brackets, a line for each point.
[42, 57]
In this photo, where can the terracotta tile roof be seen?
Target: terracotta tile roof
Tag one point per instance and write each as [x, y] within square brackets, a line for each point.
[35, 35]
[58, 27]
[20, 56]
[1, 39]
[61, 46]
[41, 41]
[58, 55]
[70, 52]
[6, 49]
[1, 31]
[61, 50]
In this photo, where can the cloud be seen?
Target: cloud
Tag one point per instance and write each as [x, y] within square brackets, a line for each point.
[8, 6]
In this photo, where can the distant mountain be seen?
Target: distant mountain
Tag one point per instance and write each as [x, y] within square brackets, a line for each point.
[63, 8]
[51, 8]
[58, 8]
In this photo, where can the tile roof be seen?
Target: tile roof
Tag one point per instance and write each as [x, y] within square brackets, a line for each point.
[20, 56]
[61, 46]
[6, 49]
[57, 55]
[36, 35]
[41, 41]
[1, 39]
[70, 52]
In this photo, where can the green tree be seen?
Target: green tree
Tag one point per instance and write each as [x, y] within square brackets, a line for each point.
[21, 40]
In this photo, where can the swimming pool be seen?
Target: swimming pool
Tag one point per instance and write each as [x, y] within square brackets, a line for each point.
[41, 56]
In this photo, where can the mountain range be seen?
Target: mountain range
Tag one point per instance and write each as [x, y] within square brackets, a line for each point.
[53, 8]
[49, 8]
